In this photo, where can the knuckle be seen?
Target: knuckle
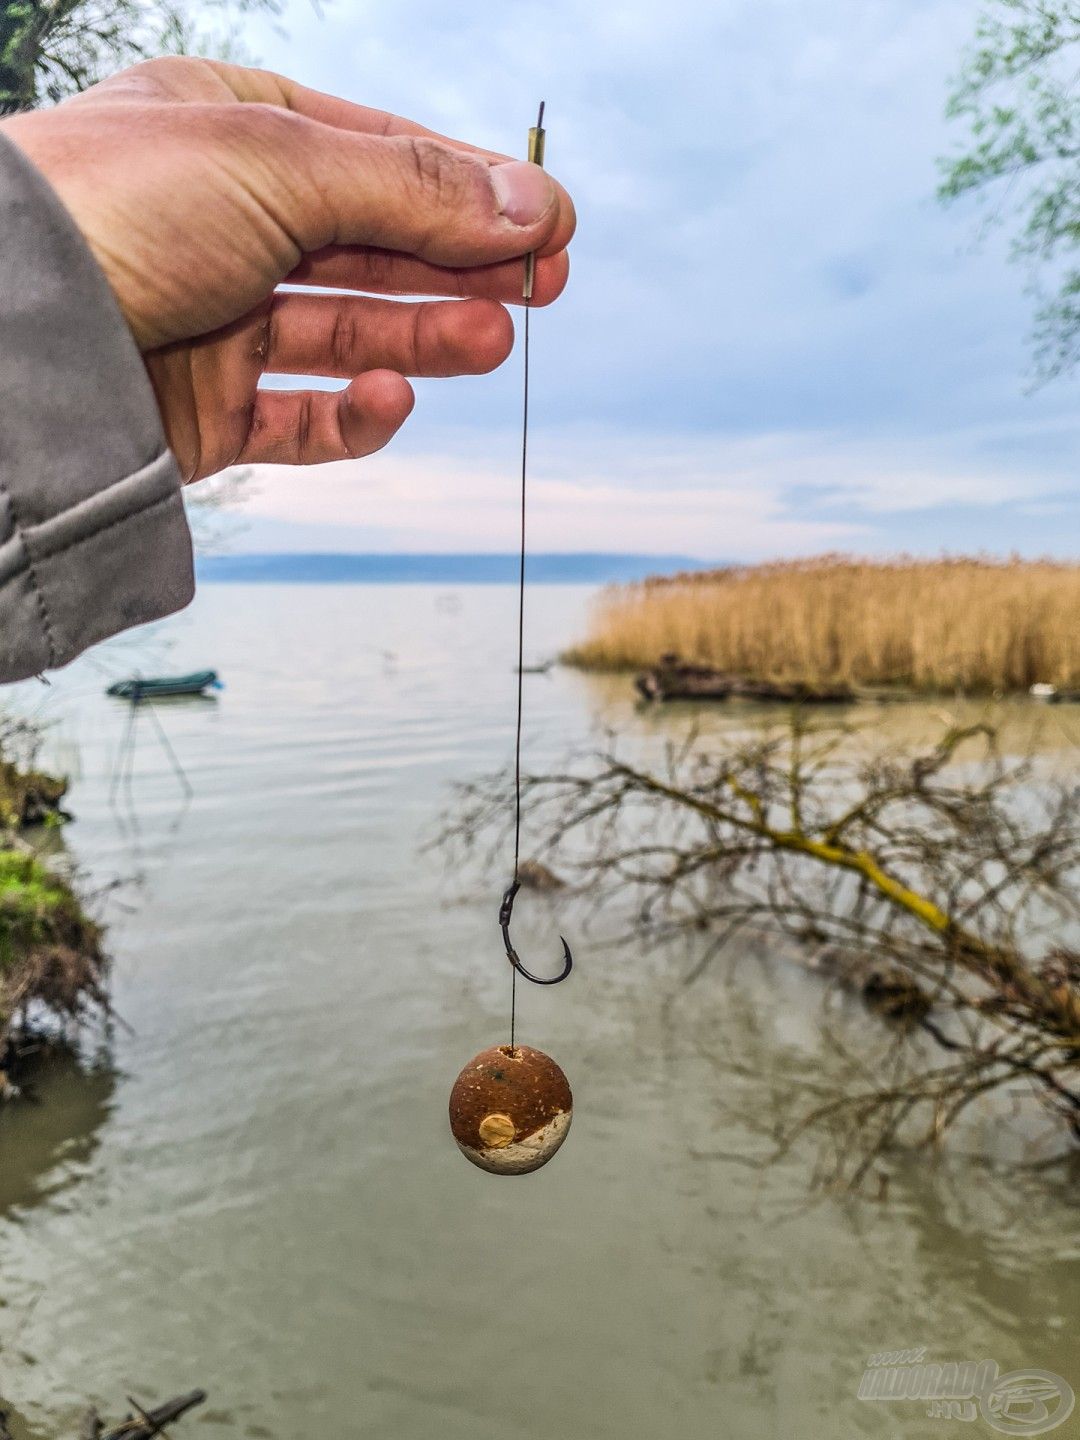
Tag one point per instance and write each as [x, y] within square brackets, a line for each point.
[147, 69]
[414, 344]
[268, 126]
[344, 340]
[265, 335]
[162, 66]
[382, 269]
[304, 428]
[262, 134]
[172, 77]
[437, 172]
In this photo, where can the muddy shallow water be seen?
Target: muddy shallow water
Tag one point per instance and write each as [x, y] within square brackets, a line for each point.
[254, 1191]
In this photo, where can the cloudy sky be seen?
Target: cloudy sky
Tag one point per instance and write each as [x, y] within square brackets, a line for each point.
[775, 341]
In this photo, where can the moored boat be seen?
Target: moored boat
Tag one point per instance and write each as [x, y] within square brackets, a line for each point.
[159, 687]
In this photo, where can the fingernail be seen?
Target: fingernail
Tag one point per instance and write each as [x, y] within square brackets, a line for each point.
[523, 192]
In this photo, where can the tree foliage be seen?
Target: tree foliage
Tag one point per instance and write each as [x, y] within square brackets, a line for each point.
[1018, 96]
[53, 48]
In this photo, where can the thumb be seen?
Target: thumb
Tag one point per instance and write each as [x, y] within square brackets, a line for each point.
[410, 194]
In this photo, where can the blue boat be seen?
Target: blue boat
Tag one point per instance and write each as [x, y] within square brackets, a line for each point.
[160, 687]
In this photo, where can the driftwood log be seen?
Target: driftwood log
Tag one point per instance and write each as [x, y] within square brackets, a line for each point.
[672, 679]
[141, 1426]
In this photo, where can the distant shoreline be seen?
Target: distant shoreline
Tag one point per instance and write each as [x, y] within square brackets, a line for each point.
[582, 568]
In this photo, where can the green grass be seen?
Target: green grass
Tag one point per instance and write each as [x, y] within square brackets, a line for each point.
[51, 960]
[36, 908]
[50, 949]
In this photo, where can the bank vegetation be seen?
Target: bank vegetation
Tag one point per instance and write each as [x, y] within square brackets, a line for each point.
[52, 964]
[965, 625]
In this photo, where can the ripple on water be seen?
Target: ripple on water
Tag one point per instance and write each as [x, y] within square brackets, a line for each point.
[259, 1194]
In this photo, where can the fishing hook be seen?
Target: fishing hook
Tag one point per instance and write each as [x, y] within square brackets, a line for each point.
[506, 910]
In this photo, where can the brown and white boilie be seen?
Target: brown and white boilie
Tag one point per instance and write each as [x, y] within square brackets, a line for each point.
[510, 1109]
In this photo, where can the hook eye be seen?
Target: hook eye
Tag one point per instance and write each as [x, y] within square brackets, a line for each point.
[506, 910]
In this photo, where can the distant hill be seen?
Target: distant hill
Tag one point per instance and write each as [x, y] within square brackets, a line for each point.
[328, 569]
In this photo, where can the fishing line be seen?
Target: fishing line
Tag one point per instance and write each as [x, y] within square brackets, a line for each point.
[521, 640]
[511, 1106]
[536, 155]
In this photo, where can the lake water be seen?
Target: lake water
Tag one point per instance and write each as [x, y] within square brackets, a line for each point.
[255, 1191]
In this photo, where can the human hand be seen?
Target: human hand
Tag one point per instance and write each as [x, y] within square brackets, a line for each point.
[200, 187]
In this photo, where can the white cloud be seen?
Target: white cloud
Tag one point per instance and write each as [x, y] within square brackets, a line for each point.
[715, 497]
[773, 335]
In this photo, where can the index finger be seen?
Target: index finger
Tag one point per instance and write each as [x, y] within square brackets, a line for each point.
[268, 88]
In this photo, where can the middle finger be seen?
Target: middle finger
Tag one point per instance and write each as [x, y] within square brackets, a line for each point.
[346, 335]
[386, 272]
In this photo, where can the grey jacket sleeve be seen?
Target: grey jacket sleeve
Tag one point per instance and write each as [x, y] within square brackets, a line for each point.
[93, 537]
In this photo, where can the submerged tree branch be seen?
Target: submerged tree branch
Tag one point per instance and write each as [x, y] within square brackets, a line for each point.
[943, 886]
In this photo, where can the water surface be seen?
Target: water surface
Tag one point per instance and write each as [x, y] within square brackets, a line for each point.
[255, 1191]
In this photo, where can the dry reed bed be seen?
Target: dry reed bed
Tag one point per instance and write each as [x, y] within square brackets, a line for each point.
[949, 624]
